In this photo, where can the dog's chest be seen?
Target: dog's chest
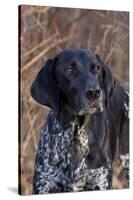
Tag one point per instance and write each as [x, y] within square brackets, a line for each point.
[64, 155]
[69, 145]
[65, 149]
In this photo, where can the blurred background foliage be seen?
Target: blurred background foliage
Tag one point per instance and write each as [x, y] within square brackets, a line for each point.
[45, 31]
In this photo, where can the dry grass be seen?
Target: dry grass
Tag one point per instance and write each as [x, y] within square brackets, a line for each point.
[44, 31]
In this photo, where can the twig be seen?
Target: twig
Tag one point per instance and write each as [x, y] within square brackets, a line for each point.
[31, 125]
[36, 58]
[28, 136]
[39, 45]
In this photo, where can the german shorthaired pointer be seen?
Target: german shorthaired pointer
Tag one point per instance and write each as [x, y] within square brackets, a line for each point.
[87, 127]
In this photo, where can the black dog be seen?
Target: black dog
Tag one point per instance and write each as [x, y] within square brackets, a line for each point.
[87, 127]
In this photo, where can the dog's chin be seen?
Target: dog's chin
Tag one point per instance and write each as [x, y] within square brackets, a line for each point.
[90, 110]
[84, 112]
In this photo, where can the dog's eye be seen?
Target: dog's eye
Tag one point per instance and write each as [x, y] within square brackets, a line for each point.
[68, 70]
[96, 68]
[71, 69]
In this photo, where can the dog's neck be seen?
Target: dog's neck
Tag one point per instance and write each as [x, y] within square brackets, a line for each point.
[67, 117]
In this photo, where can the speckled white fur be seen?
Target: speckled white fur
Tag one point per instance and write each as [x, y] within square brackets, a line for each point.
[54, 155]
[125, 160]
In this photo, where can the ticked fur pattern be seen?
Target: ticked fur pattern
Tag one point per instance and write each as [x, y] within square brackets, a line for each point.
[56, 168]
[125, 165]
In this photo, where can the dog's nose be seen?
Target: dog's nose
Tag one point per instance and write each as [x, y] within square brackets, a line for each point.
[93, 94]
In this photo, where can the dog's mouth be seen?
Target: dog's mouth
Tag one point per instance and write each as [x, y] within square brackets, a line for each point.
[91, 108]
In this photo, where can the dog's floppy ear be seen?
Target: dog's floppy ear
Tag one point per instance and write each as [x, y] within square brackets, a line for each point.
[44, 88]
[106, 79]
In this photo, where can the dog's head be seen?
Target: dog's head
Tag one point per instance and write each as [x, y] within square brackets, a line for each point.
[77, 78]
